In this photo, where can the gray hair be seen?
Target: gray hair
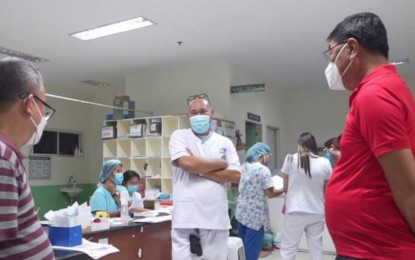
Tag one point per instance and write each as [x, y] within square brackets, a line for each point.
[17, 77]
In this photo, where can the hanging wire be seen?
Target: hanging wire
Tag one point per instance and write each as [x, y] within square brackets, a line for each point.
[98, 104]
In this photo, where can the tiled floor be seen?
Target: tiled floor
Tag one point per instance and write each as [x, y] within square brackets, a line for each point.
[275, 255]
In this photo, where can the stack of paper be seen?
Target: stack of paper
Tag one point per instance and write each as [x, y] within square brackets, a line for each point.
[156, 219]
[154, 216]
[94, 250]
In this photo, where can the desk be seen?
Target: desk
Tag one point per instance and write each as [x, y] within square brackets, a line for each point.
[135, 241]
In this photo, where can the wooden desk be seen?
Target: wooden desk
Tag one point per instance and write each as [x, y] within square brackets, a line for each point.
[135, 241]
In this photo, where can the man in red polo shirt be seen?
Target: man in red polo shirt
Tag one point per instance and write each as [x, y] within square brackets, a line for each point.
[370, 200]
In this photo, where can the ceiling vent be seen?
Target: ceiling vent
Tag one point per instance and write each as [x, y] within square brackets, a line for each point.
[21, 55]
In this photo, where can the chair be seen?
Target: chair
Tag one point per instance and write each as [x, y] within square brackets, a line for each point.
[236, 249]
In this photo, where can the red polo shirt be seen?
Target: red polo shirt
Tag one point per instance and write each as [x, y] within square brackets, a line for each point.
[361, 215]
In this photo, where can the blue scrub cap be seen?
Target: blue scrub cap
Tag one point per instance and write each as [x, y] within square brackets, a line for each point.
[108, 168]
[256, 151]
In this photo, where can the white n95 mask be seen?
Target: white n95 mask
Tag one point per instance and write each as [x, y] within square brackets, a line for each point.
[39, 129]
[333, 76]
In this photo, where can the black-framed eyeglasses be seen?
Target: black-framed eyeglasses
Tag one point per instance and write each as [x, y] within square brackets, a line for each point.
[202, 96]
[50, 111]
[328, 52]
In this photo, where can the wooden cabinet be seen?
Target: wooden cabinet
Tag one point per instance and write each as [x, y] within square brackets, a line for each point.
[147, 242]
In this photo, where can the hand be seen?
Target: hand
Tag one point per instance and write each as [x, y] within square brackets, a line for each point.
[110, 186]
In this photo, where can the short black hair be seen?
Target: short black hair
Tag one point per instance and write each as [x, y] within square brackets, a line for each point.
[335, 142]
[17, 77]
[367, 28]
[129, 175]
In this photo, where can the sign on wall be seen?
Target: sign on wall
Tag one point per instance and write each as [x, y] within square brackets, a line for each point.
[248, 88]
[39, 167]
[254, 117]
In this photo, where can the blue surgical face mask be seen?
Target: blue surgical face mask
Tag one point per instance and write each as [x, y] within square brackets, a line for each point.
[331, 158]
[132, 188]
[200, 123]
[119, 177]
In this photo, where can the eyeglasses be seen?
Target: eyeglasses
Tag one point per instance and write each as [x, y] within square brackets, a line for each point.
[328, 52]
[202, 96]
[50, 111]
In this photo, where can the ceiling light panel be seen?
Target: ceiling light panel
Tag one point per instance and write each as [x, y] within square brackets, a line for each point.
[95, 83]
[21, 55]
[110, 29]
[399, 62]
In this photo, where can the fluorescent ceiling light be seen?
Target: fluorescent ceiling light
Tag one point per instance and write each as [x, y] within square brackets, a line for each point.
[119, 27]
[95, 83]
[399, 62]
[21, 55]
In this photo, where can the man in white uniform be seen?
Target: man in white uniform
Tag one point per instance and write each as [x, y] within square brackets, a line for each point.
[203, 162]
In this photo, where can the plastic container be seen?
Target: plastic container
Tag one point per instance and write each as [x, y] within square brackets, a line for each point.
[124, 216]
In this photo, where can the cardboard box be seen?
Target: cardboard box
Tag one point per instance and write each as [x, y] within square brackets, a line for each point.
[65, 236]
[109, 132]
[155, 126]
[137, 130]
[126, 106]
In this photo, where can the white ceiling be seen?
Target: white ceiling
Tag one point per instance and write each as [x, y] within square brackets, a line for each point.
[280, 40]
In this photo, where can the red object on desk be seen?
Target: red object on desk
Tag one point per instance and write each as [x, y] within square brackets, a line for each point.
[166, 203]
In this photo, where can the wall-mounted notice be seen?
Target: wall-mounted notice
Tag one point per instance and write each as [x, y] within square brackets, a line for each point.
[224, 127]
[39, 167]
[248, 88]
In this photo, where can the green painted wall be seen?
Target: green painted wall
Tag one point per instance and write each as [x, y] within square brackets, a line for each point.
[51, 198]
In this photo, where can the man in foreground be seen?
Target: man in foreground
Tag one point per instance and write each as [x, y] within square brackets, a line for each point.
[370, 200]
[23, 116]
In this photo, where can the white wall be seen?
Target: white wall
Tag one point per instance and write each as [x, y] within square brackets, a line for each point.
[268, 104]
[165, 90]
[320, 111]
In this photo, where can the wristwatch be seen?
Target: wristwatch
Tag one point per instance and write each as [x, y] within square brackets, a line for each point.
[114, 194]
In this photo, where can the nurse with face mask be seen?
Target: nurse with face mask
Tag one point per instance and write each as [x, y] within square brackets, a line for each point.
[255, 186]
[131, 181]
[107, 196]
[332, 150]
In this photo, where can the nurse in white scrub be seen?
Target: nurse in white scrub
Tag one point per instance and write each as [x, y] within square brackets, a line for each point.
[131, 182]
[305, 180]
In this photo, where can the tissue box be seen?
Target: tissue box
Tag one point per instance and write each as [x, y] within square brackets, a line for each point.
[65, 236]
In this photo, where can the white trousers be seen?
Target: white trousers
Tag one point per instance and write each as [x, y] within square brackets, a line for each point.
[295, 224]
[214, 244]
